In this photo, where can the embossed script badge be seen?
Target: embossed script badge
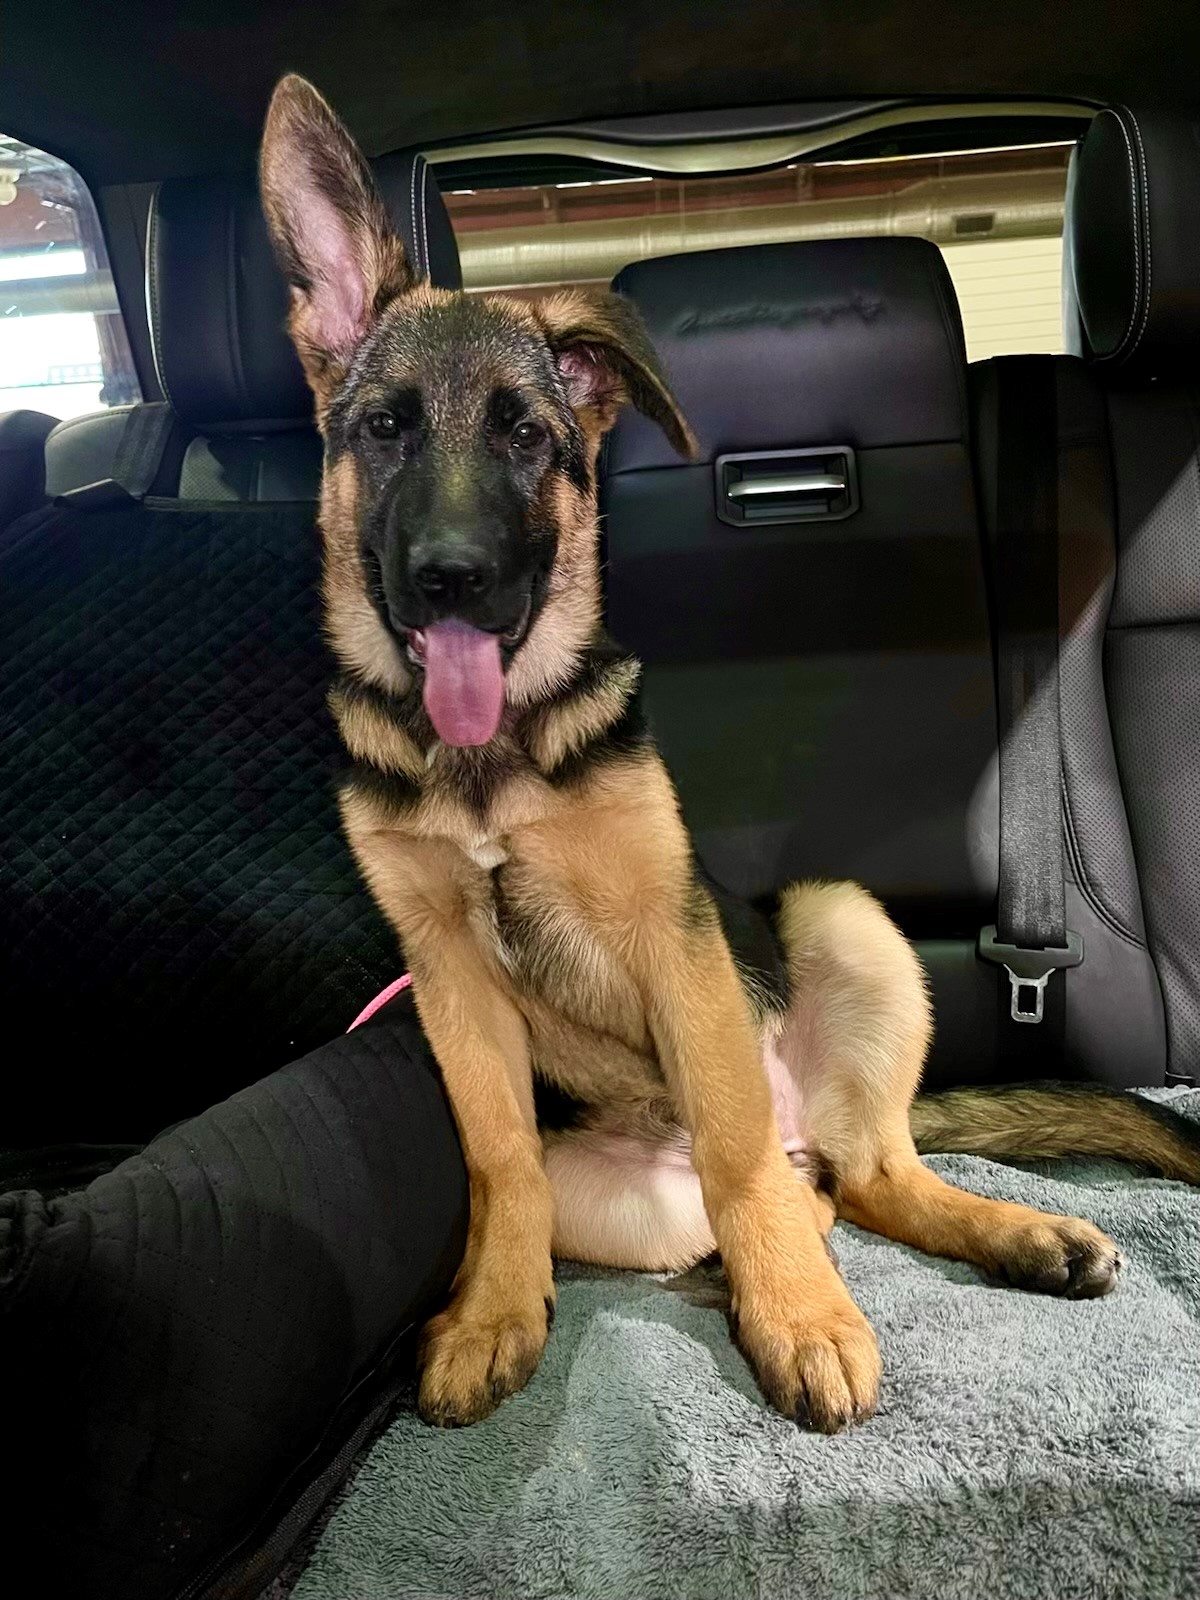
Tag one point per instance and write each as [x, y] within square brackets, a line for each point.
[867, 307]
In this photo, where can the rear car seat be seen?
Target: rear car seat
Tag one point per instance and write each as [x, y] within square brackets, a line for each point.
[217, 308]
[821, 680]
[186, 1411]
[175, 877]
[207, 1333]
[1133, 310]
[1129, 572]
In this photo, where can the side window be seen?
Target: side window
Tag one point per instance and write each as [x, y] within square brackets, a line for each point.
[63, 348]
[995, 214]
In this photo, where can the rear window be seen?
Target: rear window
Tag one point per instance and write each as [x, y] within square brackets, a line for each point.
[63, 348]
[996, 215]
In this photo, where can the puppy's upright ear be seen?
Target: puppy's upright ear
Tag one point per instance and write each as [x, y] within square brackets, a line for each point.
[606, 360]
[335, 244]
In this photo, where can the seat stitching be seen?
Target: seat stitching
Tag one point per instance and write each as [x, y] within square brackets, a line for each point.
[152, 294]
[1154, 622]
[1086, 887]
[425, 215]
[1145, 194]
[412, 217]
[939, 288]
[101, 1340]
[1137, 242]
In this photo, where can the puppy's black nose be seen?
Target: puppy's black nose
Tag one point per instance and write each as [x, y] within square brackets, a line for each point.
[452, 575]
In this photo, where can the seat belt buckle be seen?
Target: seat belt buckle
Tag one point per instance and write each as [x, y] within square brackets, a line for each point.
[1029, 971]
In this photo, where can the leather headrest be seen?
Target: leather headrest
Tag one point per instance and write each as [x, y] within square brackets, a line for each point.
[840, 341]
[1131, 243]
[217, 301]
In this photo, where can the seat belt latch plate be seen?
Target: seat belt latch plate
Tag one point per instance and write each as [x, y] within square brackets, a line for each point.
[1029, 971]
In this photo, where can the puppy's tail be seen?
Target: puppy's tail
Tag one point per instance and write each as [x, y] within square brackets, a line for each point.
[1027, 1121]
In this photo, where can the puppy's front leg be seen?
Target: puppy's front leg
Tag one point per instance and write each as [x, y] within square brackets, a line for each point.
[811, 1347]
[487, 1342]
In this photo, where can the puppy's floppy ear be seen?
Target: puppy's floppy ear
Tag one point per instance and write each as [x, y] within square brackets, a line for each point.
[605, 359]
[338, 250]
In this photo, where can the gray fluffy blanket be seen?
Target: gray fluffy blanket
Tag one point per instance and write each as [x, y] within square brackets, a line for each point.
[1025, 1447]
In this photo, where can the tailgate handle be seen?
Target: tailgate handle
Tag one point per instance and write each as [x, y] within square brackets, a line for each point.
[770, 487]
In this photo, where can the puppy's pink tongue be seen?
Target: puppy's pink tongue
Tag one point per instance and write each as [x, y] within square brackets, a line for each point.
[464, 682]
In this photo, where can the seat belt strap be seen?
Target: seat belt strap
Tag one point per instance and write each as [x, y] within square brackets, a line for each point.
[1030, 937]
[143, 445]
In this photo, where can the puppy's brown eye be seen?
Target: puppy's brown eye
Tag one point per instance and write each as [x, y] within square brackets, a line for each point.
[526, 434]
[383, 424]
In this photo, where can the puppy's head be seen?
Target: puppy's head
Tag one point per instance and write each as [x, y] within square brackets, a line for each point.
[461, 437]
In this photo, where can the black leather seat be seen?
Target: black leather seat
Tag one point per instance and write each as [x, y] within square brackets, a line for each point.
[1114, 1013]
[1132, 308]
[824, 688]
[23, 436]
[1128, 452]
[217, 307]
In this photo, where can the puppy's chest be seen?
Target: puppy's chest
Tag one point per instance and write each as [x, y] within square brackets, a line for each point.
[541, 940]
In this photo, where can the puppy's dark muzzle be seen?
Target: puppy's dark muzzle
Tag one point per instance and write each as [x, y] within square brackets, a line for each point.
[467, 588]
[451, 578]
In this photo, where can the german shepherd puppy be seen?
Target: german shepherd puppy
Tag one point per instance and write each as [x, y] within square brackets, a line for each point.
[740, 1085]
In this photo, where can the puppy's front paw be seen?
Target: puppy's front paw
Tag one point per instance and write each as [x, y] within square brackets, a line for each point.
[817, 1363]
[1059, 1255]
[474, 1355]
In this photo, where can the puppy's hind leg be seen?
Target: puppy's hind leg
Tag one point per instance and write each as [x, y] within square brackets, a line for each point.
[627, 1196]
[855, 1041]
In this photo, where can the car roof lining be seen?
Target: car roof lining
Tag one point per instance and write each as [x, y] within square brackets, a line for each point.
[858, 133]
[129, 98]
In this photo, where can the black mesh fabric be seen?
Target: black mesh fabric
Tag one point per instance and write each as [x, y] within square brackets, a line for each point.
[175, 893]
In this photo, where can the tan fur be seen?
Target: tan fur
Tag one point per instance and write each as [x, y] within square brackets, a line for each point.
[489, 1337]
[627, 1196]
[570, 616]
[576, 318]
[626, 1193]
[863, 1021]
[617, 957]
[372, 737]
[1033, 1123]
[564, 728]
[862, 1002]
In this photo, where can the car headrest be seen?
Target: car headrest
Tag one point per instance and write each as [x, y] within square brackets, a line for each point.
[218, 302]
[768, 347]
[1131, 243]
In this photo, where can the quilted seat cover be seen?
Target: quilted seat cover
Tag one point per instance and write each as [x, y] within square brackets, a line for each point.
[199, 1341]
[175, 895]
